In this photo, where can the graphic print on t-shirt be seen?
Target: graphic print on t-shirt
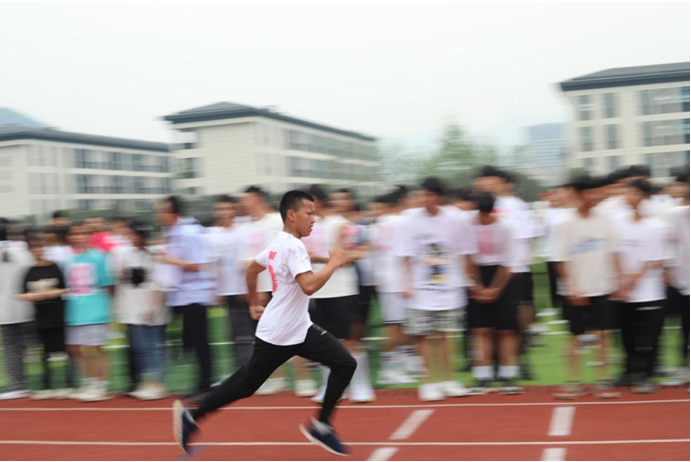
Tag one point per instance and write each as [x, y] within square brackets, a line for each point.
[589, 244]
[81, 279]
[437, 259]
[485, 240]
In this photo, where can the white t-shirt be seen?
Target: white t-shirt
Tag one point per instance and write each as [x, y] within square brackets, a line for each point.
[554, 217]
[132, 304]
[227, 247]
[58, 253]
[680, 246]
[641, 242]
[387, 266]
[518, 216]
[325, 236]
[433, 242]
[587, 246]
[15, 262]
[286, 319]
[494, 243]
[258, 234]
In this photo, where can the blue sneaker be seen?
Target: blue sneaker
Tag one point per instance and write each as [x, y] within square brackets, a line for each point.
[184, 426]
[323, 435]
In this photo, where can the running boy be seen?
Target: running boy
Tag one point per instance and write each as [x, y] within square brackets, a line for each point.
[284, 328]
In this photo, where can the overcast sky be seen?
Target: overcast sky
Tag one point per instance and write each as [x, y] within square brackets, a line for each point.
[397, 71]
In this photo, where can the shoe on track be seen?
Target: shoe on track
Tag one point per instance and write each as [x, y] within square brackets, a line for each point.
[430, 392]
[361, 394]
[509, 387]
[184, 426]
[605, 390]
[305, 388]
[323, 435]
[569, 391]
[453, 389]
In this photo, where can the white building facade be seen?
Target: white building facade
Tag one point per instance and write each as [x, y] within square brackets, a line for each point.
[225, 147]
[43, 170]
[627, 116]
[547, 152]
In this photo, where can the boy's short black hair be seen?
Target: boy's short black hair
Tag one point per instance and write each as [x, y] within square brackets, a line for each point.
[224, 198]
[485, 202]
[176, 204]
[639, 170]
[256, 190]
[489, 171]
[317, 192]
[139, 228]
[643, 186]
[292, 200]
[59, 214]
[683, 177]
[434, 185]
[583, 183]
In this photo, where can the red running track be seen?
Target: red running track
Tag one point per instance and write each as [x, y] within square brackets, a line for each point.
[492, 427]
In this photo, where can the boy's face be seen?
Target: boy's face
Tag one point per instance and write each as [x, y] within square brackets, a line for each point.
[37, 250]
[78, 236]
[430, 199]
[633, 197]
[224, 211]
[165, 215]
[589, 198]
[303, 218]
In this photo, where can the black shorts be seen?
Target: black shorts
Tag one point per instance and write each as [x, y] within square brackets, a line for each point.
[360, 312]
[592, 317]
[334, 314]
[521, 288]
[500, 315]
[53, 339]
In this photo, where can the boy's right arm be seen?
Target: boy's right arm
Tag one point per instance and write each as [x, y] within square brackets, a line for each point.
[311, 282]
[251, 274]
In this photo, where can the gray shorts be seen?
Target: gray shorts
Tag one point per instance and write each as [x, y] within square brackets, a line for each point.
[393, 307]
[424, 322]
[90, 335]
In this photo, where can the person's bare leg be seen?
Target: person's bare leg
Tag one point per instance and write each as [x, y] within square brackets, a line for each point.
[448, 357]
[423, 344]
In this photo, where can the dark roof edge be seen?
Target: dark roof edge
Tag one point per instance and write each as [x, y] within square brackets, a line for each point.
[255, 112]
[622, 81]
[24, 133]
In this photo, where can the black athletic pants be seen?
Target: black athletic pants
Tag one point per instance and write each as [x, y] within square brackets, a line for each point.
[242, 328]
[640, 331]
[319, 346]
[555, 298]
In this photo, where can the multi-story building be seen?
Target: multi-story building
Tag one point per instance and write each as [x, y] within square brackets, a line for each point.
[43, 170]
[223, 147]
[630, 115]
[546, 151]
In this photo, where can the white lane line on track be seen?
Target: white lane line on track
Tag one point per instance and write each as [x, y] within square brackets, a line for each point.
[562, 419]
[391, 406]
[554, 454]
[380, 443]
[383, 454]
[411, 424]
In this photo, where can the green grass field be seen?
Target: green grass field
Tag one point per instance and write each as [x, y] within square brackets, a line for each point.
[547, 361]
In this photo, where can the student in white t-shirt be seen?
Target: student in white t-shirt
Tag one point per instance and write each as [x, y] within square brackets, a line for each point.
[434, 236]
[679, 273]
[490, 309]
[227, 244]
[642, 252]
[589, 271]
[561, 207]
[284, 329]
[387, 230]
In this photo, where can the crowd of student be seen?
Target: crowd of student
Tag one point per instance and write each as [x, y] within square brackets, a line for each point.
[438, 261]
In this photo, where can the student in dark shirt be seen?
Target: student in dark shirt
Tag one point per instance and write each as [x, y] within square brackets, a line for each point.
[44, 286]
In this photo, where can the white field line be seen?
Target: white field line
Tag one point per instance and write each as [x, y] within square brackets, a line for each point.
[411, 424]
[554, 454]
[562, 419]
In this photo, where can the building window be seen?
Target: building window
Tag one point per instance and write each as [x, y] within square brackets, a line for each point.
[589, 163]
[664, 100]
[612, 132]
[614, 162]
[189, 168]
[585, 107]
[587, 139]
[115, 161]
[164, 162]
[665, 132]
[139, 187]
[663, 164]
[81, 157]
[610, 103]
[138, 162]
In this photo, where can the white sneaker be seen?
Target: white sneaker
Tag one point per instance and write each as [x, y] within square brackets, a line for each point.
[75, 393]
[17, 394]
[453, 389]
[361, 394]
[305, 388]
[44, 394]
[272, 386]
[151, 392]
[65, 393]
[93, 394]
[430, 392]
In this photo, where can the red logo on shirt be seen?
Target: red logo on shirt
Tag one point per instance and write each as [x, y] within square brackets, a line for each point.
[272, 255]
